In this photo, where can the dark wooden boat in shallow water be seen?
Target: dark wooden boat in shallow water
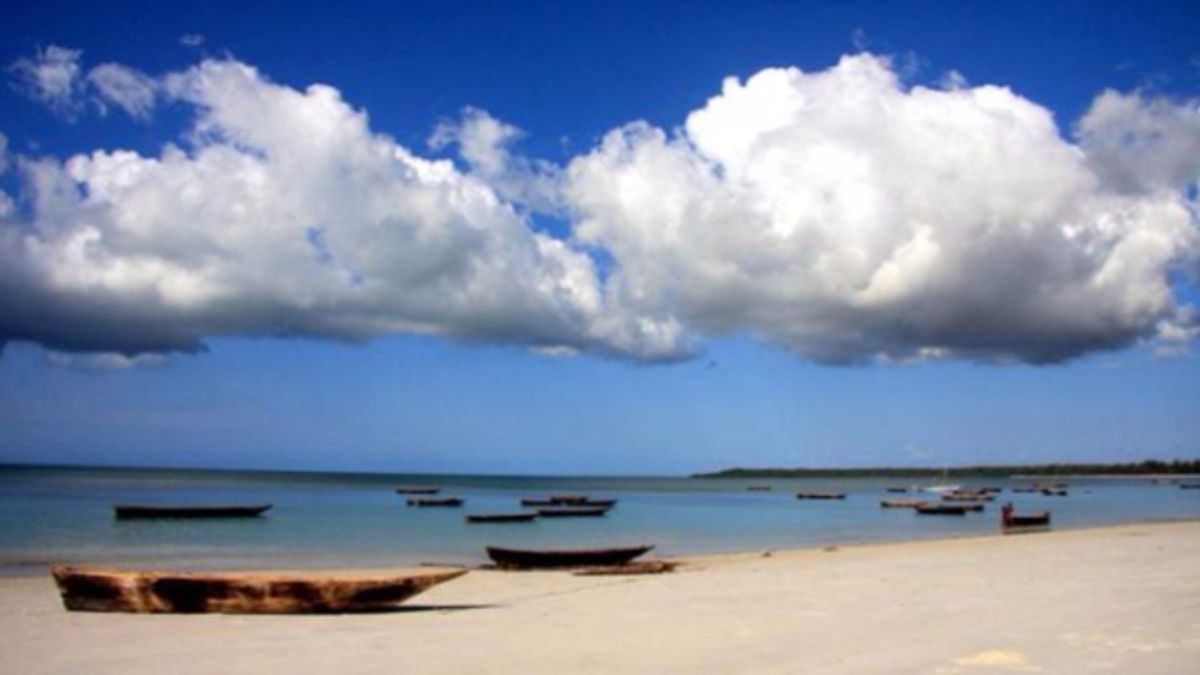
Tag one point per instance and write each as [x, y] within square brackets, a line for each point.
[820, 495]
[758, 488]
[568, 499]
[141, 511]
[511, 558]
[436, 501]
[538, 502]
[501, 517]
[941, 509]
[1009, 519]
[418, 490]
[297, 592]
[900, 503]
[573, 511]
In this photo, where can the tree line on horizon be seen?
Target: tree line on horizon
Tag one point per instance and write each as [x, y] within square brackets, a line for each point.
[1146, 467]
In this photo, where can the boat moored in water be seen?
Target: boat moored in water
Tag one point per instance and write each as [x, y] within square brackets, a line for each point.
[522, 517]
[146, 511]
[900, 503]
[297, 592]
[508, 558]
[436, 501]
[1009, 519]
[418, 490]
[820, 495]
[941, 509]
[573, 511]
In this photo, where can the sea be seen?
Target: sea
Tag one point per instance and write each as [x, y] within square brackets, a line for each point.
[52, 515]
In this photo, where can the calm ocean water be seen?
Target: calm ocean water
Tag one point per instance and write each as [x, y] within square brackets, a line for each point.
[319, 519]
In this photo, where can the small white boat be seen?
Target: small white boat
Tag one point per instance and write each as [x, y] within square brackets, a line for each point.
[940, 489]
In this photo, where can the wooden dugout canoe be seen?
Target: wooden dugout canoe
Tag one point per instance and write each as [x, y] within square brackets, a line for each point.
[941, 509]
[436, 501]
[509, 558]
[140, 511]
[501, 517]
[900, 503]
[295, 592]
[418, 490]
[573, 511]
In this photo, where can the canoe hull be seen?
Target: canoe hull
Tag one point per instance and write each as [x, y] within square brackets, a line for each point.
[97, 590]
[450, 502]
[139, 512]
[573, 512]
[507, 558]
[501, 517]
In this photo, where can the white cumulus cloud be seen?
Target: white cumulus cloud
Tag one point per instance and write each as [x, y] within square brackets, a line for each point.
[288, 217]
[840, 214]
[847, 218]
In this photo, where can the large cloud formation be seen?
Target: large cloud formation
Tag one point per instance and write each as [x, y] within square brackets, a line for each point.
[840, 214]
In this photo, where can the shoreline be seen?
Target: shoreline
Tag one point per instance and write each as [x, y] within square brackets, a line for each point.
[32, 569]
[1117, 598]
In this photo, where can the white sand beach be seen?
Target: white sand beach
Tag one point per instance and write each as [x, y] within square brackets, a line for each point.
[1109, 600]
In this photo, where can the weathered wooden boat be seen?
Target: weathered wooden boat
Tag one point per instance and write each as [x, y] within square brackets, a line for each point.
[501, 517]
[418, 490]
[297, 592]
[900, 503]
[758, 488]
[568, 499]
[975, 507]
[145, 511]
[509, 558]
[595, 503]
[1054, 492]
[436, 501]
[537, 502]
[897, 490]
[820, 495]
[941, 509]
[1010, 519]
[573, 511]
[967, 497]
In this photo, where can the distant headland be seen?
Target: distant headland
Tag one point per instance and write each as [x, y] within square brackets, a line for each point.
[1149, 467]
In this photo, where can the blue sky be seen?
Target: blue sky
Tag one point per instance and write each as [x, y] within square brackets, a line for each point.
[740, 387]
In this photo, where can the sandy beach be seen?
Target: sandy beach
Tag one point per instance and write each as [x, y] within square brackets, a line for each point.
[1109, 600]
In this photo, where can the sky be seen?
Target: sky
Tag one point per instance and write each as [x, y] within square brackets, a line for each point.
[610, 237]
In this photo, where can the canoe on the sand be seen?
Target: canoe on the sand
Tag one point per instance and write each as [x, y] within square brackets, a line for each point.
[511, 558]
[136, 511]
[296, 592]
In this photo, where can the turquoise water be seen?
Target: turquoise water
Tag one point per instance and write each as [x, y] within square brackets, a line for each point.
[52, 515]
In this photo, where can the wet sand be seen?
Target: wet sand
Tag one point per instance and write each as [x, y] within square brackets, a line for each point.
[1108, 600]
